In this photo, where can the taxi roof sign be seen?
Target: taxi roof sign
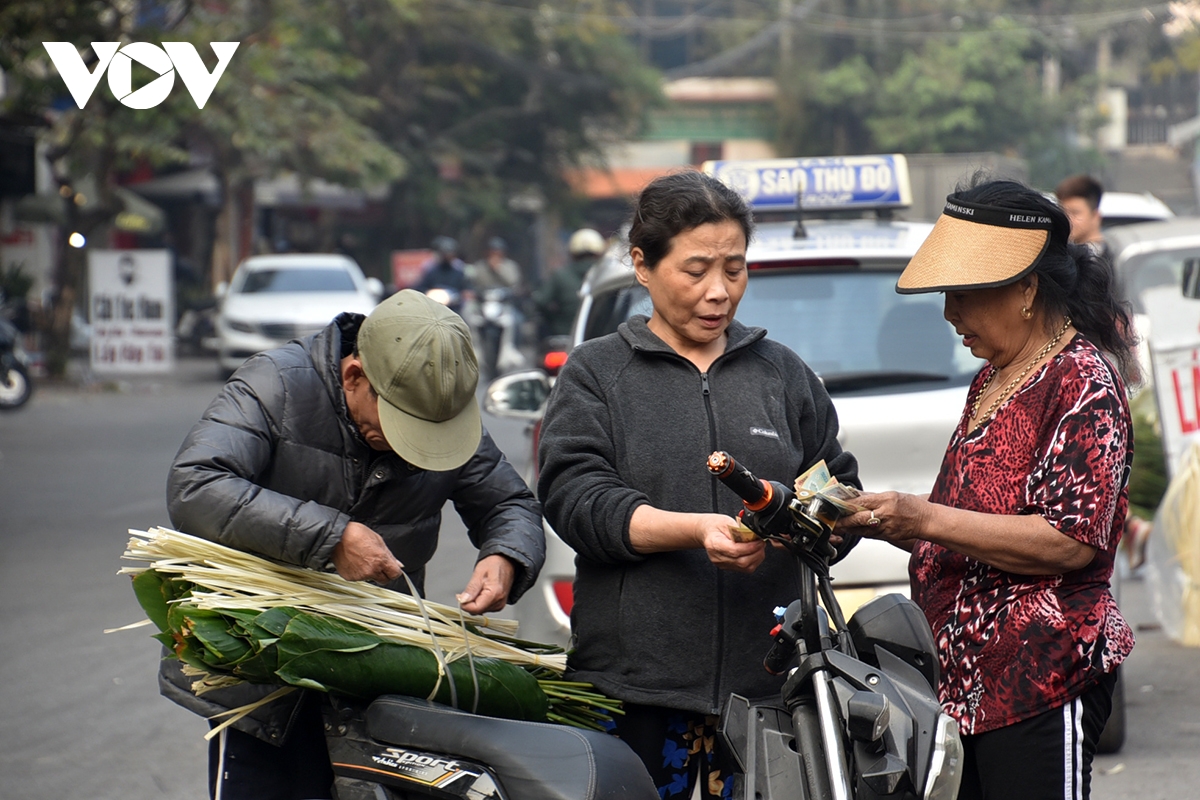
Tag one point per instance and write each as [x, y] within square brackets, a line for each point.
[835, 182]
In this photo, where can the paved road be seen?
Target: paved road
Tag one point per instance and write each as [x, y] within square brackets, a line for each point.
[81, 712]
[1161, 756]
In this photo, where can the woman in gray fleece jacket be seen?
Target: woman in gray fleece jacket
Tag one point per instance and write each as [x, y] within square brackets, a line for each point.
[671, 613]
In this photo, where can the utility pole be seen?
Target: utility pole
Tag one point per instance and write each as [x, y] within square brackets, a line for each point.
[785, 33]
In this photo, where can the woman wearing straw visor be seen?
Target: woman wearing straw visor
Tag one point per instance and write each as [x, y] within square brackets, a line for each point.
[1013, 549]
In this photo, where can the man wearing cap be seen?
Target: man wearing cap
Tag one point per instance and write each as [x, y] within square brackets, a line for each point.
[338, 452]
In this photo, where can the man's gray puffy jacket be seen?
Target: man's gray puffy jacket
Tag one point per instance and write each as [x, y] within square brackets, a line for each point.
[276, 467]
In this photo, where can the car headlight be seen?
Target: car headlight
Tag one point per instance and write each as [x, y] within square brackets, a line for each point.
[238, 325]
[946, 765]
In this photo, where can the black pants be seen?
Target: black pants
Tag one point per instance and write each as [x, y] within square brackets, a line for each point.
[1047, 757]
[244, 767]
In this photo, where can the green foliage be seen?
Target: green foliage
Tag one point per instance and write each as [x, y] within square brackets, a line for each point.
[1148, 478]
[941, 76]
[487, 101]
[15, 282]
[973, 93]
[327, 654]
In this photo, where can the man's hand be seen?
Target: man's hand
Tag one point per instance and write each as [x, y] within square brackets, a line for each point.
[489, 586]
[361, 555]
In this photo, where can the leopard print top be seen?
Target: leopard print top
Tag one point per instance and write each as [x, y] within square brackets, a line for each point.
[1015, 646]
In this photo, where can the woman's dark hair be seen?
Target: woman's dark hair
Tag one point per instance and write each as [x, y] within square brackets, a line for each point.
[678, 202]
[1073, 280]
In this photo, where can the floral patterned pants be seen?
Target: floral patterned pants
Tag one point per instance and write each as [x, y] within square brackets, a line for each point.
[677, 748]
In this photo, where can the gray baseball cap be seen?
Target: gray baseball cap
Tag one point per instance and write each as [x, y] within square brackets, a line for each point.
[418, 357]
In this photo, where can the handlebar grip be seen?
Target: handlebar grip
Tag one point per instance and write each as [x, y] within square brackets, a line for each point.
[755, 493]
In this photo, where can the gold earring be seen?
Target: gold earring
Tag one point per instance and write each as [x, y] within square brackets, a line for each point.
[1026, 313]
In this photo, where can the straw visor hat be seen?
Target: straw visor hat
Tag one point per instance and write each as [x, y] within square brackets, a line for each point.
[974, 246]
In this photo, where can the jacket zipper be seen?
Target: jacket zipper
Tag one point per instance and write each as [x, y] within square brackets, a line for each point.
[712, 438]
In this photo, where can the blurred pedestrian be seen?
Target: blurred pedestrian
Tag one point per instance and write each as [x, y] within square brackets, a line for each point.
[496, 309]
[1013, 550]
[1079, 196]
[495, 270]
[557, 299]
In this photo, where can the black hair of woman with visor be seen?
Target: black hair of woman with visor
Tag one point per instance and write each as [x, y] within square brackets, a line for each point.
[1013, 550]
[671, 612]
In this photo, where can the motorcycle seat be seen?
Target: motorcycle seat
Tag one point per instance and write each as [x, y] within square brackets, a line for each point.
[532, 760]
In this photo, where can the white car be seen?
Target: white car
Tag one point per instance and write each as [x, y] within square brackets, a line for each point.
[273, 299]
[1127, 208]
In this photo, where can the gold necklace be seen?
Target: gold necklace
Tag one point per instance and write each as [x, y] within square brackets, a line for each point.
[1015, 382]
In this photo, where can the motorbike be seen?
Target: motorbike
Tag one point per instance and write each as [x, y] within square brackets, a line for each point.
[858, 717]
[498, 323]
[196, 330]
[15, 385]
[447, 296]
[399, 748]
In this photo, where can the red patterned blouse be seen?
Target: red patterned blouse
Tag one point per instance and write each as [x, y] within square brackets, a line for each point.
[1015, 646]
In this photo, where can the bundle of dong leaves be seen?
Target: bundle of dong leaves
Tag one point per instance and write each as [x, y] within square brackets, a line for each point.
[263, 641]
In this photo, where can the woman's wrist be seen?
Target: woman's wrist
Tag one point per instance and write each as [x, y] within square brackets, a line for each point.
[653, 530]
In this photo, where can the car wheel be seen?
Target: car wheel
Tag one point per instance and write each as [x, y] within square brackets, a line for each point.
[1113, 736]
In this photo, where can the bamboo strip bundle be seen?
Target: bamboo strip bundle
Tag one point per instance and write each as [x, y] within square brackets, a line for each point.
[229, 579]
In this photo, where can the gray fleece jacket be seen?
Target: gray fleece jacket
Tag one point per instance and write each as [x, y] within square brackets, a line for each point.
[632, 422]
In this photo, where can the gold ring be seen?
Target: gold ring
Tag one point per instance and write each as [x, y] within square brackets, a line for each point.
[874, 520]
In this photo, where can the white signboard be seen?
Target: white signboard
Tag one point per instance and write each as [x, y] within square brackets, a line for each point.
[1175, 356]
[131, 310]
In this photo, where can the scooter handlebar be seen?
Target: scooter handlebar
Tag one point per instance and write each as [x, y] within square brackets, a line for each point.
[755, 492]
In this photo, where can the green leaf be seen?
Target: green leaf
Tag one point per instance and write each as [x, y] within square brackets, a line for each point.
[167, 640]
[505, 690]
[273, 622]
[365, 674]
[190, 652]
[259, 667]
[223, 648]
[151, 594]
[307, 633]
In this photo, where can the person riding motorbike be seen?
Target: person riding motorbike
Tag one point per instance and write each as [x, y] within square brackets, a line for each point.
[337, 452]
[445, 277]
[557, 299]
[499, 293]
[495, 270]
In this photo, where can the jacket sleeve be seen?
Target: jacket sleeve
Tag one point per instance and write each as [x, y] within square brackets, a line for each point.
[214, 489]
[819, 432]
[585, 500]
[501, 514]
